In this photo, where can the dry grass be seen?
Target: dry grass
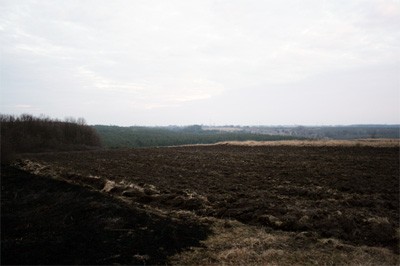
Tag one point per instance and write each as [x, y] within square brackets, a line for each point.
[234, 243]
[318, 143]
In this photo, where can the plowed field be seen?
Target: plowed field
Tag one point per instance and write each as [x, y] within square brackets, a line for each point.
[348, 193]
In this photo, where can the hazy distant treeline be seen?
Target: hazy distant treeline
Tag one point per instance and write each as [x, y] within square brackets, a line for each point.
[321, 132]
[116, 137]
[26, 133]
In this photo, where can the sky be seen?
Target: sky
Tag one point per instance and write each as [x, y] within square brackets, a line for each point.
[211, 62]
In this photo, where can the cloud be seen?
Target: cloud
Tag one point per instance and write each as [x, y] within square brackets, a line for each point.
[155, 55]
[96, 81]
[161, 92]
[23, 106]
[211, 39]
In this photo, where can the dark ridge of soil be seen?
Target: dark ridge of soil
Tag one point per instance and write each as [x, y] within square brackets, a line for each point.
[349, 193]
[46, 221]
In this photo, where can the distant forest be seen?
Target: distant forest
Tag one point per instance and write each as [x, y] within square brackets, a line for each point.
[27, 133]
[135, 136]
[321, 132]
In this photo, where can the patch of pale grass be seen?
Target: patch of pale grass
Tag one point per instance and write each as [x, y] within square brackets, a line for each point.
[318, 143]
[234, 243]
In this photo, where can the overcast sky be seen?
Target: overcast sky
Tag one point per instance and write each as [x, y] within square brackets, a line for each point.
[249, 62]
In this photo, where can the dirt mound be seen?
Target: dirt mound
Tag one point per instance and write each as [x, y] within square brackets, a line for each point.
[134, 192]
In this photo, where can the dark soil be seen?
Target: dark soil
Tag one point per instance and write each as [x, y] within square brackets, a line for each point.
[45, 221]
[348, 193]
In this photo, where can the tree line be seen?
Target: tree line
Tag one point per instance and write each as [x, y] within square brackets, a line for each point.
[27, 133]
[320, 132]
[136, 136]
